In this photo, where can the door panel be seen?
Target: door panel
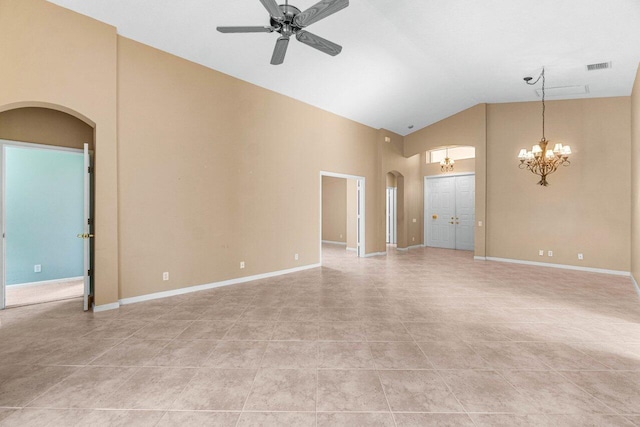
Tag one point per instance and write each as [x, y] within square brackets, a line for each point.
[465, 212]
[450, 212]
[440, 213]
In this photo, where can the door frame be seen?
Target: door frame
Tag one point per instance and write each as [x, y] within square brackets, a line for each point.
[360, 233]
[4, 143]
[426, 197]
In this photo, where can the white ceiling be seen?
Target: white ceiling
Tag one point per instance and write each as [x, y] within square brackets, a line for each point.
[404, 62]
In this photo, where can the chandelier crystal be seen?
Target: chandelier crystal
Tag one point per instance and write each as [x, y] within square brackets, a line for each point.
[540, 160]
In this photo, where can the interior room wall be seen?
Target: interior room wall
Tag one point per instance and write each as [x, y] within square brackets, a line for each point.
[391, 180]
[182, 127]
[352, 214]
[635, 179]
[586, 207]
[44, 195]
[45, 126]
[469, 127]
[55, 58]
[334, 209]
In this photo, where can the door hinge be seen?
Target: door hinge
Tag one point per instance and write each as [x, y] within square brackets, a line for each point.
[88, 272]
[89, 221]
[89, 169]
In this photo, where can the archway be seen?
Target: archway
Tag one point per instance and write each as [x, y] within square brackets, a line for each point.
[31, 132]
[395, 181]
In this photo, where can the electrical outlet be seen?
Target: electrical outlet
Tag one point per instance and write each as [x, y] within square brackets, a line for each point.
[241, 264]
[295, 257]
[414, 220]
[37, 268]
[580, 256]
[413, 239]
[541, 252]
[550, 253]
[479, 223]
[341, 236]
[165, 275]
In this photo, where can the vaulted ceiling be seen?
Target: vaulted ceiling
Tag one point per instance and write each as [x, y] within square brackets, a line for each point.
[404, 62]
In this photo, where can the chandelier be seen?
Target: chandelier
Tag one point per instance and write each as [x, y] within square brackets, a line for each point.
[540, 160]
[446, 164]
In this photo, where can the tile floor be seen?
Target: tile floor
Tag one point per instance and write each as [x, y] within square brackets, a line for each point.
[425, 337]
[36, 294]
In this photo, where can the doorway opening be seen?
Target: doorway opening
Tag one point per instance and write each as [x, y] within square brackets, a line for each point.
[342, 216]
[45, 206]
[392, 210]
[449, 211]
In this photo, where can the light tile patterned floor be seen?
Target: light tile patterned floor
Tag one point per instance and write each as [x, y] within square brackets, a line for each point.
[35, 294]
[425, 337]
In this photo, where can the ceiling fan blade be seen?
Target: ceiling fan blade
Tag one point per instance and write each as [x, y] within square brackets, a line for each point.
[319, 43]
[280, 50]
[245, 29]
[273, 8]
[320, 11]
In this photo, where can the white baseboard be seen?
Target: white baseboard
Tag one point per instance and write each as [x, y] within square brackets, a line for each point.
[635, 284]
[352, 249]
[372, 254]
[480, 258]
[410, 247]
[330, 242]
[105, 307]
[45, 282]
[562, 266]
[190, 289]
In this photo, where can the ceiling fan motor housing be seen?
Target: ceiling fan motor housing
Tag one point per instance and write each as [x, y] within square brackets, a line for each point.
[285, 26]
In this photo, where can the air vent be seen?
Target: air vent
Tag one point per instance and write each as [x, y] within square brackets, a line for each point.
[600, 66]
[564, 91]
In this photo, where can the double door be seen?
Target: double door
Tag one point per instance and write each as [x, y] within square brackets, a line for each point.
[450, 212]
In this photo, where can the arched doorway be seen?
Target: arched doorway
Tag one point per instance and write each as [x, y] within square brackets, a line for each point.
[42, 154]
[395, 210]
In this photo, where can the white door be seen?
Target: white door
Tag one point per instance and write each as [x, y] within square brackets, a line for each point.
[441, 211]
[450, 212]
[465, 212]
[391, 215]
[88, 226]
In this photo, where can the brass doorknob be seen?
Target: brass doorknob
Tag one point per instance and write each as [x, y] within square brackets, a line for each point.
[85, 236]
[450, 222]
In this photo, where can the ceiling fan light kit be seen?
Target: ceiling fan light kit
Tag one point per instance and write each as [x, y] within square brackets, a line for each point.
[288, 20]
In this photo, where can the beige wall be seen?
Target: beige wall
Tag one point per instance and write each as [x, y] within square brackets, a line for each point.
[210, 177]
[409, 191]
[468, 127]
[334, 209]
[45, 126]
[55, 58]
[391, 180]
[635, 179]
[585, 209]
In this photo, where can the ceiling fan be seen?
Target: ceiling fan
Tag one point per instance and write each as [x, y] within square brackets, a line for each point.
[289, 20]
